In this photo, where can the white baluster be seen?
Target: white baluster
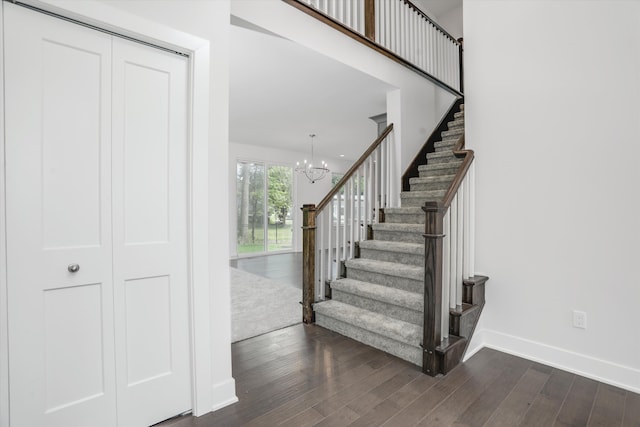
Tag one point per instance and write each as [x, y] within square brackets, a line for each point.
[457, 66]
[405, 32]
[338, 231]
[320, 236]
[376, 189]
[446, 267]
[453, 242]
[358, 232]
[367, 183]
[459, 244]
[465, 240]
[432, 50]
[387, 173]
[450, 63]
[439, 56]
[383, 175]
[330, 232]
[345, 243]
[472, 219]
[351, 217]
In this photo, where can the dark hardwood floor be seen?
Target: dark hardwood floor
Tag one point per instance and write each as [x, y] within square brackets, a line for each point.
[284, 268]
[305, 375]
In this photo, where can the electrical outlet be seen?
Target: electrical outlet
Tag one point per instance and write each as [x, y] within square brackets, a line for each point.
[579, 319]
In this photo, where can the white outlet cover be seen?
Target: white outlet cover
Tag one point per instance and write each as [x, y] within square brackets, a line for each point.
[579, 319]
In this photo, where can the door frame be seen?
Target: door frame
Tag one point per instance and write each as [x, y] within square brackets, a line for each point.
[120, 22]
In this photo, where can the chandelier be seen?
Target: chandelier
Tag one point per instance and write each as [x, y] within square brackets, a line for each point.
[313, 173]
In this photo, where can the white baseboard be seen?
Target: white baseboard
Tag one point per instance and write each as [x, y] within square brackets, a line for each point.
[604, 371]
[224, 394]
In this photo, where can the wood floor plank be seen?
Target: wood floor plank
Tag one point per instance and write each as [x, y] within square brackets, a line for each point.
[324, 390]
[342, 417]
[631, 416]
[608, 408]
[342, 398]
[545, 408]
[577, 406]
[384, 410]
[456, 403]
[513, 407]
[485, 405]
[427, 401]
[369, 400]
[308, 417]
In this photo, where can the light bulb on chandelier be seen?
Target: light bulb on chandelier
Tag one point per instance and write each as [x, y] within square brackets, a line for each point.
[313, 173]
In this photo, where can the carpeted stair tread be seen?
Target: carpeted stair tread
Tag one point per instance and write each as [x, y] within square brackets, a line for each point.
[372, 322]
[440, 166]
[401, 247]
[446, 168]
[403, 211]
[410, 300]
[441, 155]
[406, 215]
[408, 232]
[431, 179]
[455, 131]
[406, 228]
[446, 144]
[457, 123]
[387, 268]
[417, 198]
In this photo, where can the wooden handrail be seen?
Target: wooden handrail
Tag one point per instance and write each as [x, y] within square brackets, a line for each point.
[468, 155]
[354, 168]
[429, 145]
[310, 10]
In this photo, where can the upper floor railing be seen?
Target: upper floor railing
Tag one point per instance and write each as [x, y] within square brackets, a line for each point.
[399, 30]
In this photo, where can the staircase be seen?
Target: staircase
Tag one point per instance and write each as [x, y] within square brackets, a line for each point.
[380, 302]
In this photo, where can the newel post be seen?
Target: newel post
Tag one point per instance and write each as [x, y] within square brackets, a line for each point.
[308, 261]
[370, 19]
[432, 287]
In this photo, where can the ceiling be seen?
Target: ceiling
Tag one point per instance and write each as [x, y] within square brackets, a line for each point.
[438, 7]
[280, 92]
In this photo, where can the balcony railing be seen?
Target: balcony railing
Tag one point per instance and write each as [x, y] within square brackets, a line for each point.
[400, 30]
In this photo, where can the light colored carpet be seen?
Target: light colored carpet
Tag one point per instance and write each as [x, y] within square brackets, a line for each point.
[260, 305]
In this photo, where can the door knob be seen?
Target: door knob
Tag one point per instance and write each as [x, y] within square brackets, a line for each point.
[73, 268]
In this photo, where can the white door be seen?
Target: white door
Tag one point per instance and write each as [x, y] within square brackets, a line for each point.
[149, 233]
[96, 226]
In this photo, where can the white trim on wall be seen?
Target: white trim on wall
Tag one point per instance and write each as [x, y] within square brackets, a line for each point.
[600, 370]
[206, 396]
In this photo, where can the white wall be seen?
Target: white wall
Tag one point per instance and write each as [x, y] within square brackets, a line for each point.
[552, 111]
[304, 191]
[415, 104]
[452, 21]
[208, 20]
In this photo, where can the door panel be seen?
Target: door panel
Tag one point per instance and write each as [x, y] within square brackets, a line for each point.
[58, 177]
[150, 229]
[67, 181]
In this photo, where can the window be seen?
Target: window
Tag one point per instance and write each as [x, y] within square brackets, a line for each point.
[264, 207]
